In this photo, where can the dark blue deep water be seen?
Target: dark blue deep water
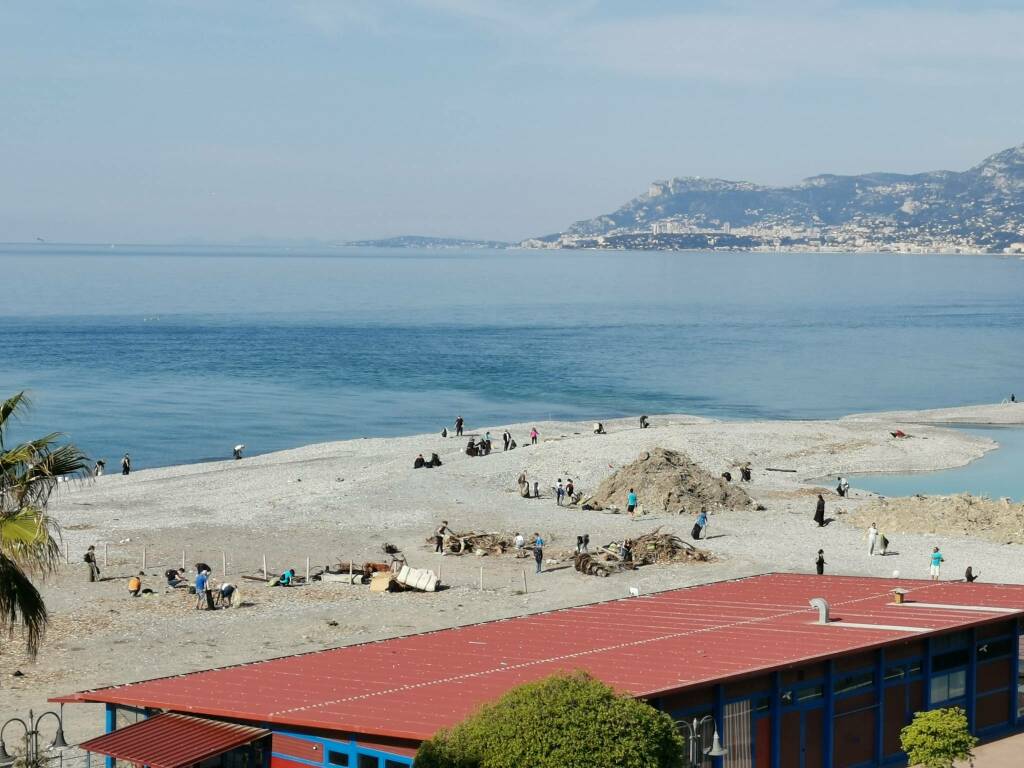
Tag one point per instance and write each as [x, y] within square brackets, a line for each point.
[178, 353]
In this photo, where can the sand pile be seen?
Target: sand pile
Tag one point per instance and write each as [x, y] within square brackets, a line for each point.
[961, 514]
[670, 482]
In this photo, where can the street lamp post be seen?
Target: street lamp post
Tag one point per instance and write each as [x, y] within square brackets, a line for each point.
[697, 752]
[31, 736]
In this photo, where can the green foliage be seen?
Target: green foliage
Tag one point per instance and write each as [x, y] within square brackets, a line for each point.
[937, 738]
[564, 721]
[29, 474]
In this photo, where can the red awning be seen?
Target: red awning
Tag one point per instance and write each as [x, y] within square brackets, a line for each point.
[172, 741]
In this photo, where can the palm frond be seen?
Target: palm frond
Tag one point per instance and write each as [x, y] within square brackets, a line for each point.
[9, 409]
[31, 538]
[21, 605]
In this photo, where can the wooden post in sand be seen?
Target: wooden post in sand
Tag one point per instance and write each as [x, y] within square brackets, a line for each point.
[104, 554]
[223, 563]
[525, 590]
[143, 557]
[264, 565]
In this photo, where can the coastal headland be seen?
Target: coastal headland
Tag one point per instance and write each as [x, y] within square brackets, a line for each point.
[335, 502]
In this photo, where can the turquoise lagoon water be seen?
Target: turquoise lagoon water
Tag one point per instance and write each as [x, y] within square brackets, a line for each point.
[997, 474]
[176, 353]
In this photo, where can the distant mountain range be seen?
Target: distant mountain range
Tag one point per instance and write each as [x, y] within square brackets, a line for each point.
[980, 210]
[418, 241]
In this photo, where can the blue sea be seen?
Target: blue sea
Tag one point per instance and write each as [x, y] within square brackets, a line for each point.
[177, 353]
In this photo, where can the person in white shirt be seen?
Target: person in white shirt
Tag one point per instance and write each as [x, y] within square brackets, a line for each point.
[872, 535]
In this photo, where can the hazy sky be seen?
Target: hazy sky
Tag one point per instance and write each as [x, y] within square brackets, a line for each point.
[161, 121]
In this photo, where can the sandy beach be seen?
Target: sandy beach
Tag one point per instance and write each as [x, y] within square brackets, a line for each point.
[338, 501]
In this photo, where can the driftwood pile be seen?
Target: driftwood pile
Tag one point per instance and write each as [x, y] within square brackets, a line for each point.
[648, 549]
[600, 564]
[477, 543]
[658, 547]
[668, 482]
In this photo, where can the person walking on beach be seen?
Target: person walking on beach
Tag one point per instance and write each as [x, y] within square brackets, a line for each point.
[819, 564]
[534, 434]
[126, 465]
[570, 489]
[631, 502]
[439, 535]
[970, 576]
[700, 526]
[937, 561]
[536, 489]
[872, 535]
[819, 512]
[559, 492]
[97, 471]
[90, 562]
[506, 438]
[538, 550]
[458, 426]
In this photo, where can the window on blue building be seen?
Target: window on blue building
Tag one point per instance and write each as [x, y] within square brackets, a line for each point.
[951, 685]
[337, 758]
[369, 761]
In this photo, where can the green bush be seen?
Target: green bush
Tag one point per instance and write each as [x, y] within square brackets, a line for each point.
[564, 721]
[937, 738]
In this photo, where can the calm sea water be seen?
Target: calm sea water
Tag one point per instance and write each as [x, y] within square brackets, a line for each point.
[176, 354]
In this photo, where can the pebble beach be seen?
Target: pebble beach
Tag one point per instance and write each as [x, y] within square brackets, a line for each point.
[333, 502]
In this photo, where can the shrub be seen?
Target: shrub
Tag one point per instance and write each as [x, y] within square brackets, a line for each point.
[564, 721]
[937, 738]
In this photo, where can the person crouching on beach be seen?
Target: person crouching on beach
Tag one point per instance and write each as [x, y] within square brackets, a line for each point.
[134, 586]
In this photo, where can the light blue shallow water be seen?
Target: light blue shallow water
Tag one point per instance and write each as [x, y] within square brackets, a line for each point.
[997, 474]
[178, 353]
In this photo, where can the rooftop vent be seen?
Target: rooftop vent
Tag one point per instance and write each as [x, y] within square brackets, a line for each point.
[822, 605]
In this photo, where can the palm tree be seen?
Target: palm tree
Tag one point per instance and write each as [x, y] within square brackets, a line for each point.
[29, 538]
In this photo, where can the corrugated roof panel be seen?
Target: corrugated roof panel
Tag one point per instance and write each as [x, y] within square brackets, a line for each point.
[173, 740]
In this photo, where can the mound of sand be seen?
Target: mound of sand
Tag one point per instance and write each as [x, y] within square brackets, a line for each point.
[958, 515]
[668, 481]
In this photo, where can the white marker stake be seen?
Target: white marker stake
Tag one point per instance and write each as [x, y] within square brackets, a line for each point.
[307, 570]
[525, 590]
[264, 565]
[104, 554]
[183, 559]
[481, 578]
[223, 563]
[67, 554]
[143, 557]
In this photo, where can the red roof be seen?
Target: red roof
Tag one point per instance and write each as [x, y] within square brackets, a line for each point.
[173, 741]
[409, 687]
